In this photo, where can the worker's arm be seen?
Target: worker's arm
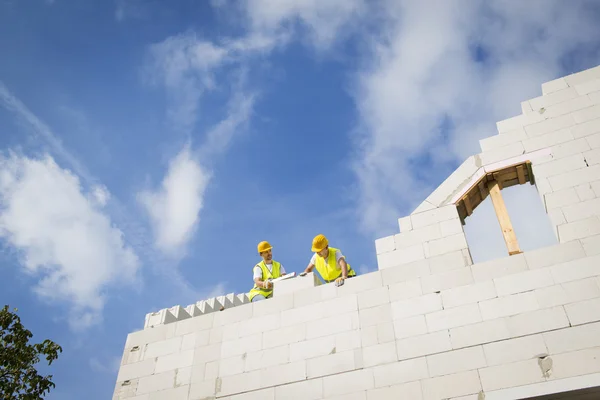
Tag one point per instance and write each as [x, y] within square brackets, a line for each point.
[308, 269]
[344, 267]
[263, 284]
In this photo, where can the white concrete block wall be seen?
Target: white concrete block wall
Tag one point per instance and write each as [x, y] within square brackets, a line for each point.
[429, 324]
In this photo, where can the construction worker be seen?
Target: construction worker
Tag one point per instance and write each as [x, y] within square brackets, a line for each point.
[329, 261]
[264, 272]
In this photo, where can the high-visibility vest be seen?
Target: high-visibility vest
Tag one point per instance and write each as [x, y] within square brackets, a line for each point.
[329, 269]
[266, 274]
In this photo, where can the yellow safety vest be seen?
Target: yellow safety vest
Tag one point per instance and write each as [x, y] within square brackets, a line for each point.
[330, 270]
[266, 274]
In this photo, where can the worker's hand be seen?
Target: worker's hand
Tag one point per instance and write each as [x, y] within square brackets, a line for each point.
[303, 273]
[339, 281]
[267, 284]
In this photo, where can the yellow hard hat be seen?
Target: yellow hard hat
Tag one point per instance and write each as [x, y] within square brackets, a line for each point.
[264, 246]
[319, 243]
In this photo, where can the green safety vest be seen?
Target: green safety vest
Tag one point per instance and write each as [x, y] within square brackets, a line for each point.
[330, 270]
[266, 274]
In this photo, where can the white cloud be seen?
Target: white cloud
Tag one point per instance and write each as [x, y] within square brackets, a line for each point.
[174, 208]
[62, 236]
[423, 74]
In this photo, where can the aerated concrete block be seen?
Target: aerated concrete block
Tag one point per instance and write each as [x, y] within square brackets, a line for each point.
[510, 124]
[497, 141]
[588, 87]
[582, 210]
[523, 281]
[446, 280]
[453, 317]
[567, 149]
[509, 375]
[560, 166]
[174, 361]
[537, 321]
[334, 324]
[583, 312]
[410, 390]
[480, 333]
[587, 75]
[574, 178]
[330, 364]
[348, 382]
[418, 346]
[556, 97]
[434, 216]
[502, 153]
[385, 245]
[587, 114]
[556, 254]
[401, 256]
[508, 305]
[405, 224]
[416, 306]
[454, 385]
[591, 245]
[161, 317]
[550, 125]
[405, 290]
[411, 326]
[577, 363]
[568, 107]
[569, 292]
[445, 245]
[499, 267]
[573, 338]
[468, 294]
[268, 357]
[456, 181]
[554, 86]
[585, 192]
[136, 370]
[417, 236]
[405, 272]
[548, 140]
[400, 372]
[235, 384]
[156, 382]
[579, 229]
[307, 390]
[513, 350]
[379, 354]
[587, 129]
[455, 361]
[594, 140]
[592, 157]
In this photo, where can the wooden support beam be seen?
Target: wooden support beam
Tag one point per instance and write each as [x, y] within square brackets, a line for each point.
[521, 174]
[468, 206]
[482, 189]
[502, 214]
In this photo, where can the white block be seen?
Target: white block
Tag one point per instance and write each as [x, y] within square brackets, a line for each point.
[306, 390]
[561, 198]
[417, 236]
[483, 332]
[548, 140]
[506, 138]
[568, 107]
[569, 292]
[577, 363]
[513, 123]
[583, 311]
[591, 245]
[156, 382]
[596, 188]
[240, 383]
[550, 125]
[174, 361]
[582, 210]
[163, 348]
[373, 298]
[405, 224]
[556, 97]
[348, 382]
[594, 140]
[523, 281]
[360, 283]
[575, 270]
[266, 358]
[509, 375]
[405, 272]
[405, 290]
[595, 97]
[559, 166]
[233, 315]
[588, 128]
[468, 294]
[312, 348]
[202, 390]
[149, 335]
[583, 76]
[512, 350]
[537, 321]
[489, 270]
[447, 280]
[352, 340]
[418, 346]
[283, 336]
[379, 354]
[424, 206]
[385, 244]
[556, 254]
[450, 261]
[226, 367]
[259, 324]
[447, 386]
[240, 346]
[451, 227]
[275, 305]
[508, 305]
[456, 182]
[311, 296]
[136, 370]
[554, 86]
[415, 306]
[453, 317]
[211, 369]
[400, 257]
[445, 245]
[576, 146]
[411, 326]
[291, 285]
[574, 338]
[434, 216]
[400, 372]
[592, 157]
[411, 390]
[587, 114]
[585, 192]
[579, 229]
[502, 153]
[282, 374]
[335, 324]
[178, 393]
[455, 361]
[263, 394]
[197, 373]
[375, 315]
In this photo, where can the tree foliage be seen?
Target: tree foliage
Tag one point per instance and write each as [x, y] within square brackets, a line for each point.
[19, 379]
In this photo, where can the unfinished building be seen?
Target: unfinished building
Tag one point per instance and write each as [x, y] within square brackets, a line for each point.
[429, 324]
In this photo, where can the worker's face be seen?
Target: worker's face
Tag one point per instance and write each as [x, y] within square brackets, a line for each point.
[324, 253]
[267, 255]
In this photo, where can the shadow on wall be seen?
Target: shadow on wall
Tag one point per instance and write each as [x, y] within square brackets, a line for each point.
[529, 219]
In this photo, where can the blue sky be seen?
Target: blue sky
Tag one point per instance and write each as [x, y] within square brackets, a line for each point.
[146, 148]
